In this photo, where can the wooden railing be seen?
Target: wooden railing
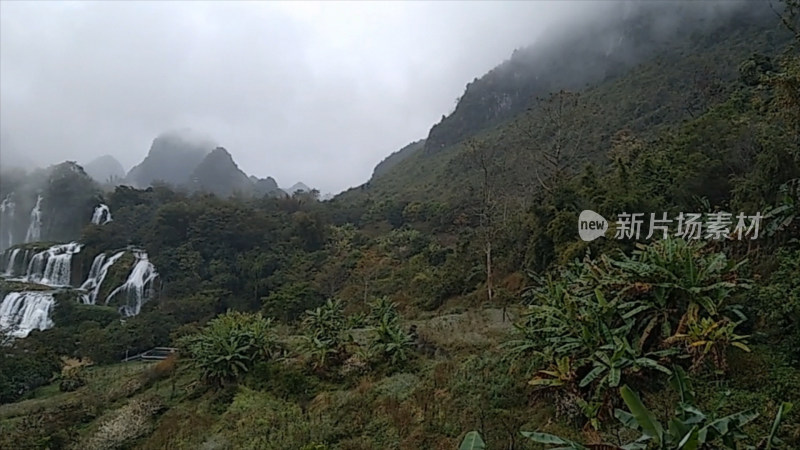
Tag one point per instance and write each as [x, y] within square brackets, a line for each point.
[154, 354]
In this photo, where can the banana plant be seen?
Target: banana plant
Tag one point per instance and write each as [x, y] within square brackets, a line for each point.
[390, 341]
[689, 428]
[712, 337]
[612, 359]
[784, 214]
[560, 374]
[325, 337]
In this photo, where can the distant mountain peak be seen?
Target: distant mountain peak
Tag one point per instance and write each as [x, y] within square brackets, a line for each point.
[299, 186]
[220, 154]
[189, 137]
[104, 168]
[172, 157]
[219, 174]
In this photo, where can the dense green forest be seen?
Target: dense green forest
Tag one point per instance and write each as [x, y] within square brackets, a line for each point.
[449, 302]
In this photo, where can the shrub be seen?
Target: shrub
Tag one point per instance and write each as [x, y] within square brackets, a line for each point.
[72, 374]
[390, 343]
[324, 329]
[230, 345]
[603, 321]
[130, 422]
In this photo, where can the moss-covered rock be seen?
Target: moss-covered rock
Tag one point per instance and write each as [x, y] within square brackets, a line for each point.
[68, 311]
[7, 286]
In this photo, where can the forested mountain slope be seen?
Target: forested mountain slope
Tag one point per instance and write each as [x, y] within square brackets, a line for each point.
[591, 51]
[675, 80]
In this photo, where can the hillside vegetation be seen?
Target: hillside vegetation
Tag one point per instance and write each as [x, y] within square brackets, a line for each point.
[450, 298]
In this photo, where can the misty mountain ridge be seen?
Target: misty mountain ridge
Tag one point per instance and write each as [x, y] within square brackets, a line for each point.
[264, 186]
[172, 158]
[297, 187]
[396, 157]
[217, 173]
[584, 55]
[667, 77]
[105, 169]
[189, 160]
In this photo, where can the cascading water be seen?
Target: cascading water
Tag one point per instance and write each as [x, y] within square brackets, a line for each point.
[12, 262]
[22, 312]
[53, 266]
[7, 207]
[16, 263]
[97, 275]
[35, 227]
[138, 288]
[102, 215]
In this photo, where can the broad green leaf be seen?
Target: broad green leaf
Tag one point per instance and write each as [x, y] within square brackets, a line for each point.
[472, 441]
[614, 376]
[546, 382]
[690, 441]
[741, 346]
[546, 438]
[643, 416]
[680, 383]
[782, 410]
[636, 311]
[592, 375]
[626, 419]
[647, 362]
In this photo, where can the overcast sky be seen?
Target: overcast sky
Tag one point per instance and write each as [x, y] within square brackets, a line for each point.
[312, 92]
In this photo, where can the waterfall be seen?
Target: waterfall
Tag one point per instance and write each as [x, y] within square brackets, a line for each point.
[96, 276]
[137, 289]
[22, 312]
[12, 262]
[16, 262]
[7, 207]
[53, 266]
[35, 228]
[102, 215]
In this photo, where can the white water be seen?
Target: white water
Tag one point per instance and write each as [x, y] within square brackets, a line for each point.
[102, 215]
[7, 207]
[138, 288]
[96, 276]
[12, 261]
[22, 312]
[35, 227]
[53, 266]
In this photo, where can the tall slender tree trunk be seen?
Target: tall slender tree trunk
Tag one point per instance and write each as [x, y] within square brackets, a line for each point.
[489, 282]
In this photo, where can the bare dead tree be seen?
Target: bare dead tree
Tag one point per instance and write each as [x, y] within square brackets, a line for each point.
[492, 208]
[554, 136]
